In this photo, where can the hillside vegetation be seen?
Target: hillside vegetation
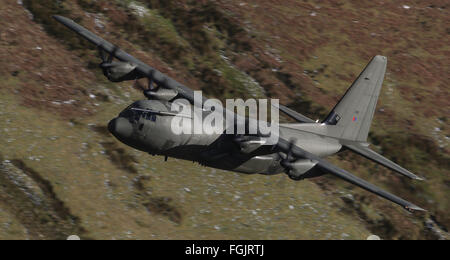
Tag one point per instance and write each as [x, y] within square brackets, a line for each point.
[62, 173]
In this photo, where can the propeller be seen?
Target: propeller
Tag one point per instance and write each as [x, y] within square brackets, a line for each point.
[146, 90]
[102, 54]
[151, 86]
[107, 63]
[107, 59]
[138, 85]
[287, 159]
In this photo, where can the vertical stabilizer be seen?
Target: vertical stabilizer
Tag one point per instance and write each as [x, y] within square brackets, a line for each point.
[351, 118]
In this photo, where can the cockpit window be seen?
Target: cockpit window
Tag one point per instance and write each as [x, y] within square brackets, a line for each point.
[146, 115]
[134, 115]
[137, 115]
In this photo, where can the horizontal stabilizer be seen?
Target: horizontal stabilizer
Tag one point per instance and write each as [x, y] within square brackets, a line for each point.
[295, 115]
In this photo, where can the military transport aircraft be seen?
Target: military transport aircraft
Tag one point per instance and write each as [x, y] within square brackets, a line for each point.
[300, 147]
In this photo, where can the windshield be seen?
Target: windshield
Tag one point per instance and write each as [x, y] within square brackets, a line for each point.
[134, 115]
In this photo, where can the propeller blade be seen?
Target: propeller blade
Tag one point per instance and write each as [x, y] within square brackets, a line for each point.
[281, 156]
[290, 158]
[150, 84]
[138, 85]
[286, 165]
[112, 54]
[102, 54]
[106, 65]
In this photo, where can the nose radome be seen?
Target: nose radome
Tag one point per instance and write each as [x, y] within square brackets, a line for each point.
[120, 127]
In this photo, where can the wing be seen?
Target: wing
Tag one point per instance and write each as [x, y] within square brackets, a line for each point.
[142, 68]
[378, 158]
[343, 174]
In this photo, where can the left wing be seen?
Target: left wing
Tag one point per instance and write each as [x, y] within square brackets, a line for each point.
[324, 165]
[142, 68]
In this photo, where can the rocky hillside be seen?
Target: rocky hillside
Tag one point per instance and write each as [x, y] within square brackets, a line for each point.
[61, 173]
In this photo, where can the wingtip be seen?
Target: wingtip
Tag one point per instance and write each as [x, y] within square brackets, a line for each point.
[411, 175]
[413, 208]
[60, 18]
[420, 178]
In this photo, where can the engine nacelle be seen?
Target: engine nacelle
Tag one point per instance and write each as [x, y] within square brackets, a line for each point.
[161, 94]
[249, 144]
[300, 169]
[120, 71]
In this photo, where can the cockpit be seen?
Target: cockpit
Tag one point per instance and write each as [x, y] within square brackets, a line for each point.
[134, 115]
[136, 120]
[132, 118]
[136, 111]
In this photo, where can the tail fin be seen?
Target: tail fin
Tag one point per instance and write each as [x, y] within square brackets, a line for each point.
[351, 118]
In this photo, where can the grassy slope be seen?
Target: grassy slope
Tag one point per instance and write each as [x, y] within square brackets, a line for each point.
[187, 201]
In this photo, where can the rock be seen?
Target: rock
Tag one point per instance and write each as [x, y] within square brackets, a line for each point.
[435, 230]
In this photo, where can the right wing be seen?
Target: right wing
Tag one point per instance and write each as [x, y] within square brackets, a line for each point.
[144, 69]
[324, 165]
[378, 158]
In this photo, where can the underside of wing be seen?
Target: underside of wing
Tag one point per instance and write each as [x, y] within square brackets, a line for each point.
[345, 175]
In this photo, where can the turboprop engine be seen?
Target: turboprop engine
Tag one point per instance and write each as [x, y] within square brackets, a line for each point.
[117, 71]
[249, 144]
[298, 169]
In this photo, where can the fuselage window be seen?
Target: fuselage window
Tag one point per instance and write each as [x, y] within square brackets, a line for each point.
[151, 117]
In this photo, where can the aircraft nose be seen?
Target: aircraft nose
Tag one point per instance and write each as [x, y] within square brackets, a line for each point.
[120, 127]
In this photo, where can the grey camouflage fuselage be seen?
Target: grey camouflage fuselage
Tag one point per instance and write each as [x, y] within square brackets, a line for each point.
[151, 132]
